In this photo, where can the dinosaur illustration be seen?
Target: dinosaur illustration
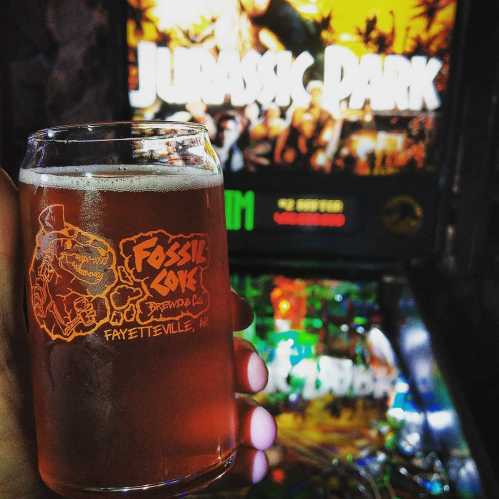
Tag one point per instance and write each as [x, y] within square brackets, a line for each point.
[70, 276]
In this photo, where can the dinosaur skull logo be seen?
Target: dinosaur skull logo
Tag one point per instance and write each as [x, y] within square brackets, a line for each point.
[71, 273]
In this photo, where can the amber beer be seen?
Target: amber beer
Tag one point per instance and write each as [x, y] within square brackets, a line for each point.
[128, 299]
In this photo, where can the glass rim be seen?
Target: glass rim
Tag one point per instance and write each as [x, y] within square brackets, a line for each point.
[183, 129]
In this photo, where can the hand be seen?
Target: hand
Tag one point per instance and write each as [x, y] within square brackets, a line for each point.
[257, 429]
[18, 473]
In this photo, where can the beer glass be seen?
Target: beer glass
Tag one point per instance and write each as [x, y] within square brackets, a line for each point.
[128, 305]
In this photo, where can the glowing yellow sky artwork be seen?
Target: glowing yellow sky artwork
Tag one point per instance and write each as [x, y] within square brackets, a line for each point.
[348, 15]
[346, 18]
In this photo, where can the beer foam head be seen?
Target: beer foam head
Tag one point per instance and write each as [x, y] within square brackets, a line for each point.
[130, 178]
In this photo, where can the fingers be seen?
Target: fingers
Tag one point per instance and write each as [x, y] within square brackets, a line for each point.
[9, 214]
[257, 427]
[16, 445]
[242, 315]
[257, 432]
[250, 371]
[251, 466]
[10, 261]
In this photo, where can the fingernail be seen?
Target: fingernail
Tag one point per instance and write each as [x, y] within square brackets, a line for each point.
[263, 429]
[257, 373]
[259, 467]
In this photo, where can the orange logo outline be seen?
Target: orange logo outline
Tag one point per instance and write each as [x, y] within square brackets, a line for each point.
[147, 294]
[60, 248]
[78, 282]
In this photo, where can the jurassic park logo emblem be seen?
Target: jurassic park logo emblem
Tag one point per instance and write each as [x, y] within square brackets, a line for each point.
[152, 285]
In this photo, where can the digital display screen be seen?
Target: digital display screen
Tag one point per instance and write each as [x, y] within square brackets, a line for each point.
[248, 211]
[298, 86]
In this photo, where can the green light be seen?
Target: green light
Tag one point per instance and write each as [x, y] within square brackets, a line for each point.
[315, 323]
[360, 321]
[239, 206]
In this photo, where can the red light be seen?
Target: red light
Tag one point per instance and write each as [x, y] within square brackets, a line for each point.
[278, 475]
[310, 219]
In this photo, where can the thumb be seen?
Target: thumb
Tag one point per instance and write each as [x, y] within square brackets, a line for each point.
[18, 477]
[9, 246]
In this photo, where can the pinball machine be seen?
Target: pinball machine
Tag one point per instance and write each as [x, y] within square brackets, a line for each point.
[337, 130]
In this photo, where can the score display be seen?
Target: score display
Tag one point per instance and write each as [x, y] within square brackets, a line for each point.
[310, 212]
[249, 210]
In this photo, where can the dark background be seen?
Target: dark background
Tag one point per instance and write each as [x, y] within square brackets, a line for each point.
[64, 61]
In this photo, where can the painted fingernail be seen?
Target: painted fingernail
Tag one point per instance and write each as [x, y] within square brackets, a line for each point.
[259, 467]
[263, 429]
[257, 373]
